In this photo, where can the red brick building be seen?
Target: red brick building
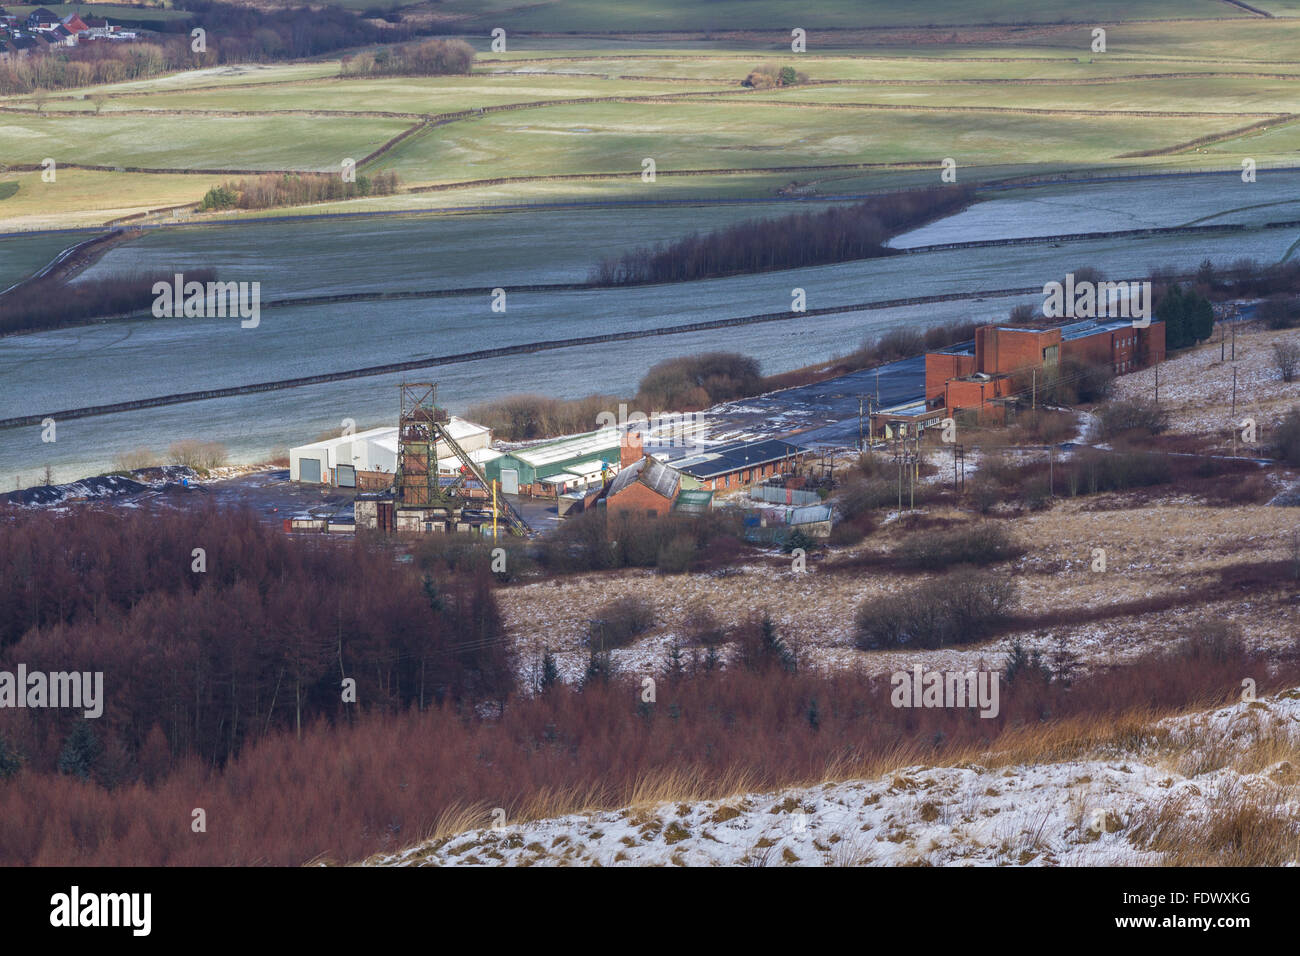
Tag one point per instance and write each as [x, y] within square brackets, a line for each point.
[972, 376]
[645, 488]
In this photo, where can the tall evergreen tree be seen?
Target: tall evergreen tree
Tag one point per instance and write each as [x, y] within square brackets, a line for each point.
[80, 751]
[1172, 312]
[11, 760]
[1200, 317]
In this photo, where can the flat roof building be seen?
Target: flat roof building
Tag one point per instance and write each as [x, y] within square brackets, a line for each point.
[336, 461]
[979, 373]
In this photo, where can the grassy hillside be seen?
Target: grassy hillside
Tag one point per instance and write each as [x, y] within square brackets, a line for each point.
[1000, 102]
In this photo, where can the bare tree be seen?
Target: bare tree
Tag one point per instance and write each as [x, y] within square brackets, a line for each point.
[1286, 356]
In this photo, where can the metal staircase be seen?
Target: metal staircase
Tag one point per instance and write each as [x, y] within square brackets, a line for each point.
[513, 520]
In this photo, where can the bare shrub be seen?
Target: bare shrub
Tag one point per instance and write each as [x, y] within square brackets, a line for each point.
[1286, 438]
[957, 608]
[980, 543]
[838, 234]
[1216, 641]
[619, 622]
[135, 459]
[1134, 417]
[1280, 312]
[703, 627]
[1286, 357]
[201, 456]
[676, 554]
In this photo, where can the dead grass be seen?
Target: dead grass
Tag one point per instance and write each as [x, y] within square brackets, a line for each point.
[1196, 386]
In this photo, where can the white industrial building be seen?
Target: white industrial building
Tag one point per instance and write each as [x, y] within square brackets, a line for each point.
[336, 461]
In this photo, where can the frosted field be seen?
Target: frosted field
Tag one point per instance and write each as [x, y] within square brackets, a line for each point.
[1177, 201]
[107, 363]
[560, 246]
[429, 252]
[113, 363]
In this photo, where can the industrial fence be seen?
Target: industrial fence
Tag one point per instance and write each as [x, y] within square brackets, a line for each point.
[775, 525]
[784, 496]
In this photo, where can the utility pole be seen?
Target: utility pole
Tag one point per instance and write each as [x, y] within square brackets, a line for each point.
[1234, 341]
[877, 387]
[1234, 396]
[1157, 383]
[911, 491]
[859, 424]
[898, 453]
[494, 509]
[1051, 471]
[1033, 401]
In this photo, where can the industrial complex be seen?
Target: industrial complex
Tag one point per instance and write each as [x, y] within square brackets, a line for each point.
[436, 472]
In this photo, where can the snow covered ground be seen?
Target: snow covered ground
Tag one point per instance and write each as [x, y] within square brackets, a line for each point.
[1072, 813]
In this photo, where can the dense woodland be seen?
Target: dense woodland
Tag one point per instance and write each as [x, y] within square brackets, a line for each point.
[208, 677]
[427, 58]
[295, 189]
[51, 301]
[839, 234]
[200, 663]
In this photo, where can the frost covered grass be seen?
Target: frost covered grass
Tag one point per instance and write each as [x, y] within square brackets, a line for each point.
[1211, 788]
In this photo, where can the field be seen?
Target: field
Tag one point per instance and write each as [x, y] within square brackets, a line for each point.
[196, 142]
[1033, 100]
[594, 16]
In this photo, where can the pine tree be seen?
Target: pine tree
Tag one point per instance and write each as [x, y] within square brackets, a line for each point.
[1172, 312]
[11, 760]
[80, 752]
[1200, 317]
[550, 671]
[436, 602]
[775, 648]
[600, 668]
[676, 666]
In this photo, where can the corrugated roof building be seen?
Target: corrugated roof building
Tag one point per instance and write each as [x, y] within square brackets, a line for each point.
[739, 463]
[574, 461]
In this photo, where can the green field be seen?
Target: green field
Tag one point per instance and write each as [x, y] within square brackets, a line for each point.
[606, 138]
[1228, 94]
[904, 99]
[194, 142]
[422, 95]
[21, 257]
